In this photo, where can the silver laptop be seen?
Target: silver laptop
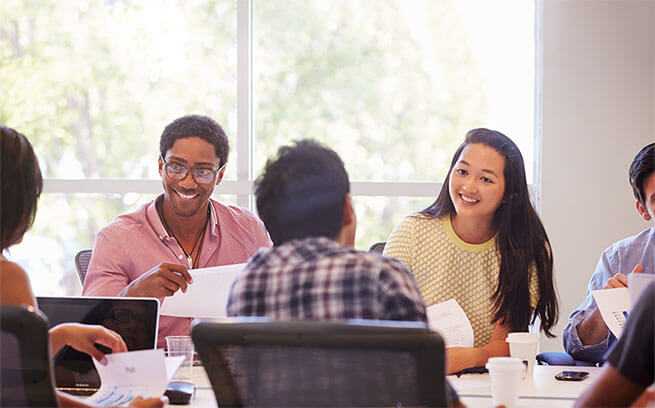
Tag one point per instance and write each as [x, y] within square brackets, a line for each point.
[135, 319]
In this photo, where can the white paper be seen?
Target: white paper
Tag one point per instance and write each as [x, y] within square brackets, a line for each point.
[637, 282]
[613, 305]
[128, 375]
[207, 296]
[448, 318]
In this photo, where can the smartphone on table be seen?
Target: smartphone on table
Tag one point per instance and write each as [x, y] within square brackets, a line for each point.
[571, 375]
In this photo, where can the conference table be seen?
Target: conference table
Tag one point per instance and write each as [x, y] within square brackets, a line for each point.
[541, 391]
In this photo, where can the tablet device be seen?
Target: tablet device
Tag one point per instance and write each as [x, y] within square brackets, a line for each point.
[135, 319]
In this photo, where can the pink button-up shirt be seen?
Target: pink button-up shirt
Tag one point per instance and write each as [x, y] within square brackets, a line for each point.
[135, 243]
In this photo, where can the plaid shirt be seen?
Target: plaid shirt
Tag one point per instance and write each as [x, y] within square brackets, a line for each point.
[318, 279]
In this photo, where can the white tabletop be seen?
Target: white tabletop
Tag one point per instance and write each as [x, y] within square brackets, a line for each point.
[487, 402]
[542, 391]
[543, 385]
[203, 398]
[204, 395]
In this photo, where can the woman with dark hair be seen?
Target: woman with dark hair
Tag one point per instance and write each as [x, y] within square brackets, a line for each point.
[21, 186]
[482, 243]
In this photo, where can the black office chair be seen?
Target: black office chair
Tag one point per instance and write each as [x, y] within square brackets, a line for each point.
[377, 247]
[262, 363]
[82, 263]
[25, 370]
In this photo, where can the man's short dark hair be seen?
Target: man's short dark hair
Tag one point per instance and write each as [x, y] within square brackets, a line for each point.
[301, 192]
[200, 126]
[21, 185]
[641, 168]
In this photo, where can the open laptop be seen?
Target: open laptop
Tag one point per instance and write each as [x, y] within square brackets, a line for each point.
[135, 319]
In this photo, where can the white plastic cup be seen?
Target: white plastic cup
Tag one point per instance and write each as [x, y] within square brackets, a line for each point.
[181, 346]
[524, 346]
[505, 374]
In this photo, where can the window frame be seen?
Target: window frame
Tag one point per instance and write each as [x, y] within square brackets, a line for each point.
[242, 187]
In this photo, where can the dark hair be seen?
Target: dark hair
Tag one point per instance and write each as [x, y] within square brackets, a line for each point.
[301, 192]
[21, 186]
[641, 168]
[521, 239]
[200, 126]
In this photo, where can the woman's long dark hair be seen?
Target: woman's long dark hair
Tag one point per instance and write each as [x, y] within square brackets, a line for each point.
[21, 186]
[521, 239]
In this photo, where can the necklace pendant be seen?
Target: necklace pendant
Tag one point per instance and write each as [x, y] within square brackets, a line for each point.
[189, 261]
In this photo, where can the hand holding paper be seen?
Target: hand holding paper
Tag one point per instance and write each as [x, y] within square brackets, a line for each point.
[613, 305]
[128, 375]
[207, 296]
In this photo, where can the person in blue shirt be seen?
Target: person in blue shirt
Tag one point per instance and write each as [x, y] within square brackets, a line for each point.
[627, 378]
[586, 337]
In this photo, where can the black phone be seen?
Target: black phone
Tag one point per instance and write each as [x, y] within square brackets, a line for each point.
[571, 375]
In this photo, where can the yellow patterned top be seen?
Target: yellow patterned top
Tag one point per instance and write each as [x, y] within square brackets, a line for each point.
[446, 267]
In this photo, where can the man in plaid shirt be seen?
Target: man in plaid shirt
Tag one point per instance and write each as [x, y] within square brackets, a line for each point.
[313, 272]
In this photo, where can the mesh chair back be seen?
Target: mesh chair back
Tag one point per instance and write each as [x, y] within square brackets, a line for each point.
[321, 364]
[82, 263]
[377, 247]
[25, 371]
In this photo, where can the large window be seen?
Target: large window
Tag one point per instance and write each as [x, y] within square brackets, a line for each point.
[391, 85]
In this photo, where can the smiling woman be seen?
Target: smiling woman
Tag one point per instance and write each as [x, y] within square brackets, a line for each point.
[482, 244]
[476, 187]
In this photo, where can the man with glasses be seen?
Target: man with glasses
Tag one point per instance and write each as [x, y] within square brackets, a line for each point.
[148, 253]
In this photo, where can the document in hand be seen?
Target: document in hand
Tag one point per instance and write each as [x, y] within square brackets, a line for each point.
[128, 375]
[613, 305]
[448, 318]
[207, 296]
[637, 283]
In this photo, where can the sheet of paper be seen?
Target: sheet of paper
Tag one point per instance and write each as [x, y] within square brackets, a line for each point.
[448, 318]
[128, 375]
[613, 305]
[637, 282]
[207, 296]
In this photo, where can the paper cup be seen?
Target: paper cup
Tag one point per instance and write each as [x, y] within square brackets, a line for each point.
[523, 345]
[505, 374]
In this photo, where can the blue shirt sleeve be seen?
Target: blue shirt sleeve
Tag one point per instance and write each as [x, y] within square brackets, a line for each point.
[595, 353]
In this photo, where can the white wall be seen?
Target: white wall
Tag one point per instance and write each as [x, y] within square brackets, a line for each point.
[598, 110]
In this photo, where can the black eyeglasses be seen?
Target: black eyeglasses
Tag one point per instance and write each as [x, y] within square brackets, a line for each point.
[201, 175]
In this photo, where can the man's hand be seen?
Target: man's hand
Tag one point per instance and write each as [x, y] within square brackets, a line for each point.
[617, 281]
[593, 330]
[620, 280]
[84, 337]
[161, 281]
[638, 268]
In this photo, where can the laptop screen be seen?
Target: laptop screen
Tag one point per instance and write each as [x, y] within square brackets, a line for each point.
[135, 319]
